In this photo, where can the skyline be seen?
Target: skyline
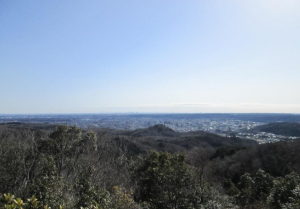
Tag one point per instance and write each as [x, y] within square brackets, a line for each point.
[149, 57]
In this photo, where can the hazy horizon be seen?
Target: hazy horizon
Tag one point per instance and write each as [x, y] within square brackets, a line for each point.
[66, 57]
[149, 113]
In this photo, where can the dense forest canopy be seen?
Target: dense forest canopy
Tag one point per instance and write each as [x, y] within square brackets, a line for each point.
[157, 167]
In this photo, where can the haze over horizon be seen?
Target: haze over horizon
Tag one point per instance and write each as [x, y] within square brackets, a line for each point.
[149, 56]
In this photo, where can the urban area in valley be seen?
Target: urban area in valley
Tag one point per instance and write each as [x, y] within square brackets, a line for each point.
[227, 125]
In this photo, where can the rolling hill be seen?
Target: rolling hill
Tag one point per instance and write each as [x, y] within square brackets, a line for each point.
[283, 128]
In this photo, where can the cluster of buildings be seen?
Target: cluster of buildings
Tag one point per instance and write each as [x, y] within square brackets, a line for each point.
[264, 137]
[226, 127]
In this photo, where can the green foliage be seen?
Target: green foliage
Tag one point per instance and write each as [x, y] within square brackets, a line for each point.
[89, 142]
[264, 190]
[90, 197]
[85, 191]
[122, 199]
[164, 181]
[231, 189]
[73, 168]
[47, 187]
[11, 167]
[285, 192]
[263, 185]
[246, 187]
[64, 145]
[10, 202]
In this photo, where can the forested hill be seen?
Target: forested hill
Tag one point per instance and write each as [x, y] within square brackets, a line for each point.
[158, 137]
[284, 128]
[157, 167]
[158, 130]
[162, 138]
[28, 126]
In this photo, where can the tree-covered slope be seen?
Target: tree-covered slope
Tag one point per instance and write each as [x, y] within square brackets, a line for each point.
[162, 138]
[110, 169]
[284, 128]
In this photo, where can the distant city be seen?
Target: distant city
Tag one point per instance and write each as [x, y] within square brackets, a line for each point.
[227, 125]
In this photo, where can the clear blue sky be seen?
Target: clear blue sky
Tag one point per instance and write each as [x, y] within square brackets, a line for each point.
[100, 56]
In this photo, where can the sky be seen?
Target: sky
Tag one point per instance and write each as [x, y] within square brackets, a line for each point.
[150, 56]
